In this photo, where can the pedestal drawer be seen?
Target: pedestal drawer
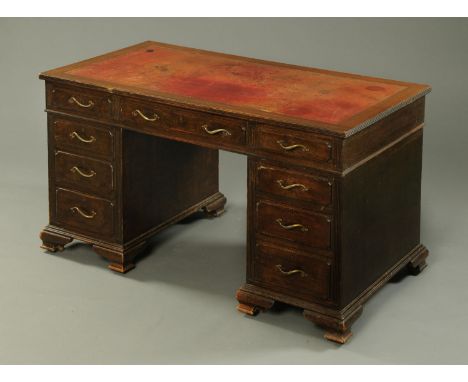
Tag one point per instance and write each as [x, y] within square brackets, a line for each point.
[294, 145]
[82, 137]
[79, 101]
[84, 174]
[84, 213]
[291, 184]
[289, 271]
[294, 224]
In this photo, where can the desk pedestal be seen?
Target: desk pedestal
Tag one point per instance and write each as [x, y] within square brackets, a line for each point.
[155, 183]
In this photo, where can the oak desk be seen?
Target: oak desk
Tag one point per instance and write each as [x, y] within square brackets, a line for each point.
[334, 168]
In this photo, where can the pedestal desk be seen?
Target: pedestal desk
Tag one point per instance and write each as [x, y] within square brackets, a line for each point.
[334, 169]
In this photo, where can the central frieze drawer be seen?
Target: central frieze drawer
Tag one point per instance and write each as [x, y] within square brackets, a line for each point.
[85, 174]
[148, 115]
[213, 128]
[294, 224]
[153, 116]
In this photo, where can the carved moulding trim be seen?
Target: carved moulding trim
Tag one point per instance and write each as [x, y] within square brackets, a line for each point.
[385, 113]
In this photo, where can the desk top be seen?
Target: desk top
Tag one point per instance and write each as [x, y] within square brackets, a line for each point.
[334, 102]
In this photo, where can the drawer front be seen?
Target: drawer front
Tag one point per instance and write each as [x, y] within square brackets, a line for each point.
[84, 213]
[294, 224]
[294, 145]
[289, 271]
[84, 174]
[152, 116]
[80, 101]
[83, 138]
[148, 115]
[219, 130]
[295, 185]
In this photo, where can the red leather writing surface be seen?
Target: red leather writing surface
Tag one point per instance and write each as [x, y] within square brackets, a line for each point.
[283, 90]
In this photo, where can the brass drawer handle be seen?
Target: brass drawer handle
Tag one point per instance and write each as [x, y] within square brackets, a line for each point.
[290, 186]
[84, 140]
[74, 100]
[75, 169]
[291, 147]
[292, 272]
[217, 131]
[77, 209]
[137, 112]
[292, 226]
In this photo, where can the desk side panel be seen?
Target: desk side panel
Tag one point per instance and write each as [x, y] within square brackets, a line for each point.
[363, 145]
[380, 217]
[161, 179]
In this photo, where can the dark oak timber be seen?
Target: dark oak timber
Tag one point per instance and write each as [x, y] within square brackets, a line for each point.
[334, 169]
